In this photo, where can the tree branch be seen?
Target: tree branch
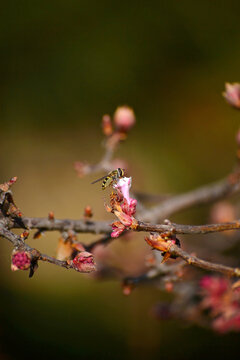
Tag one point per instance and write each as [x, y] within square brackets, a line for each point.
[79, 226]
[19, 243]
[187, 229]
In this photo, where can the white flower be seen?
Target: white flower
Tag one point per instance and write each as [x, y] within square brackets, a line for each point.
[123, 185]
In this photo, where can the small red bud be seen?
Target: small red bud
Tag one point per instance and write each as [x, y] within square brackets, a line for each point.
[51, 216]
[12, 180]
[127, 289]
[88, 212]
[169, 286]
[24, 235]
[21, 260]
[107, 125]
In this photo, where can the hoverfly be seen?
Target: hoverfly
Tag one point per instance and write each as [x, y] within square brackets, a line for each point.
[110, 178]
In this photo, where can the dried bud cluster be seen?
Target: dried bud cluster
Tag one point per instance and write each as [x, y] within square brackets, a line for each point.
[123, 206]
[163, 243]
[8, 207]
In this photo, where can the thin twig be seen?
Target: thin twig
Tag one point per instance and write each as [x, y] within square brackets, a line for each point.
[104, 240]
[206, 265]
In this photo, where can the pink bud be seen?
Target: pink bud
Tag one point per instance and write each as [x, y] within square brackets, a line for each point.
[83, 262]
[130, 208]
[116, 233]
[124, 118]
[232, 94]
[127, 288]
[21, 260]
[118, 228]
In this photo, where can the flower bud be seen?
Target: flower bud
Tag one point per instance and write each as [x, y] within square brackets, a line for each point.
[51, 216]
[169, 286]
[117, 228]
[232, 94]
[83, 262]
[88, 212]
[21, 260]
[107, 125]
[129, 208]
[124, 118]
[127, 288]
[214, 285]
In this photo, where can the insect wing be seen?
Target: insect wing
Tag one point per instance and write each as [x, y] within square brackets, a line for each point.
[101, 178]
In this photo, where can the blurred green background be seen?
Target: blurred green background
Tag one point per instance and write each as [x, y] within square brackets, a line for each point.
[63, 65]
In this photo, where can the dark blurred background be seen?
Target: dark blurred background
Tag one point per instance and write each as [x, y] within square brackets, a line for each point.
[63, 65]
